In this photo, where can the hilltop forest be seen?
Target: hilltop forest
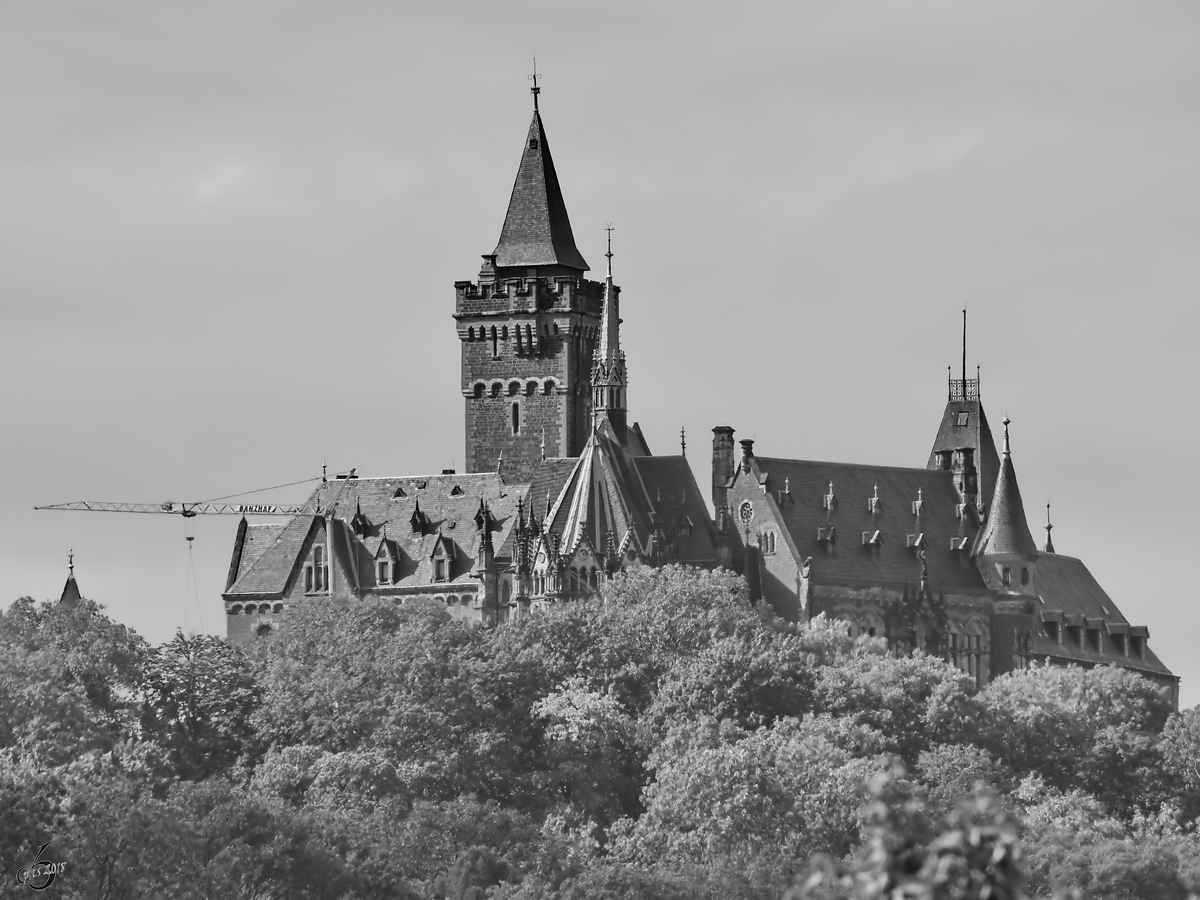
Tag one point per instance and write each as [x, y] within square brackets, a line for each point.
[671, 741]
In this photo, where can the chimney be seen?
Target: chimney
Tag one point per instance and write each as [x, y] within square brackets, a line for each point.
[722, 466]
[747, 453]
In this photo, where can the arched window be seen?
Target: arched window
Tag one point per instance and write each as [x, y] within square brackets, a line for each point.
[479, 390]
[496, 388]
[530, 388]
[470, 334]
[514, 388]
[504, 332]
[548, 387]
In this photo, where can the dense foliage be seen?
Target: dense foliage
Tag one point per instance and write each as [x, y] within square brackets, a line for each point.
[671, 741]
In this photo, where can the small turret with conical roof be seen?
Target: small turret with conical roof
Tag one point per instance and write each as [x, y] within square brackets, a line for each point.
[70, 596]
[1005, 549]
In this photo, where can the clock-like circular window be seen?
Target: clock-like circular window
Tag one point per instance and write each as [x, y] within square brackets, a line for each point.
[746, 512]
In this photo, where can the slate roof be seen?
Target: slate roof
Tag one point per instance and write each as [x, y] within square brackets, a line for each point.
[1006, 529]
[385, 507]
[537, 230]
[1064, 586]
[250, 544]
[70, 596]
[977, 435]
[629, 491]
[892, 562]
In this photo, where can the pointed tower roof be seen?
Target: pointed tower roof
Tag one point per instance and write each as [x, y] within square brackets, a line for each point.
[1006, 530]
[70, 596]
[537, 231]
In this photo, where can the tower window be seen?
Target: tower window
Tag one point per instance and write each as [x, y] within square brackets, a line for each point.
[533, 143]
[1006, 575]
[516, 418]
[495, 389]
[479, 391]
[1025, 576]
[495, 344]
[963, 418]
[548, 387]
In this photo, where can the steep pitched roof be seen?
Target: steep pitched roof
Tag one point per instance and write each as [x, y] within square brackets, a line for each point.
[603, 493]
[976, 435]
[892, 562]
[1066, 588]
[251, 542]
[70, 596]
[537, 230]
[671, 479]
[1006, 530]
[385, 505]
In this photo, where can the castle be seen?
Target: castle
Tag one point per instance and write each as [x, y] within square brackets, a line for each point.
[561, 491]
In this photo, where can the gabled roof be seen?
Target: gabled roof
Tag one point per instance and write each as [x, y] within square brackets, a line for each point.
[1006, 530]
[892, 562]
[537, 230]
[387, 506]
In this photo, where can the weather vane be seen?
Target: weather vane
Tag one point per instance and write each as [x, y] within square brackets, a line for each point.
[535, 90]
[608, 255]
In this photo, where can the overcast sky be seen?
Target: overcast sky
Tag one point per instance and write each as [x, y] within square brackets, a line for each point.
[229, 234]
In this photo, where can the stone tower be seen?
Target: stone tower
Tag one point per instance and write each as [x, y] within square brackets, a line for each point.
[529, 328]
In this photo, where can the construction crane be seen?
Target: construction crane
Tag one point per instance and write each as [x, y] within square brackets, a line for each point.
[214, 507]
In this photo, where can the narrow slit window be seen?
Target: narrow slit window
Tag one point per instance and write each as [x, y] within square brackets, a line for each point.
[516, 418]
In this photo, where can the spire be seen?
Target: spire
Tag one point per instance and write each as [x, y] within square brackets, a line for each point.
[70, 593]
[608, 367]
[1049, 527]
[1006, 530]
[537, 230]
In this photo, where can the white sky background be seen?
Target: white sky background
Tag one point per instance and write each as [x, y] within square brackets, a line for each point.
[229, 234]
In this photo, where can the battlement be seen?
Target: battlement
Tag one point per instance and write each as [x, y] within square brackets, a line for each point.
[507, 296]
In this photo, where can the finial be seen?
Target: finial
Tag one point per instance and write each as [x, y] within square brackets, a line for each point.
[1006, 448]
[964, 367]
[682, 441]
[499, 462]
[71, 560]
[535, 90]
[324, 472]
[543, 442]
[1049, 527]
[608, 255]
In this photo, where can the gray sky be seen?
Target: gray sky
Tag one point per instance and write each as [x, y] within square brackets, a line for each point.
[229, 234]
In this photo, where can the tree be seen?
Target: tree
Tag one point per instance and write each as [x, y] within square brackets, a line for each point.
[198, 696]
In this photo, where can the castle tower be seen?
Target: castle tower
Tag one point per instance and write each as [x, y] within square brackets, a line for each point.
[529, 328]
[608, 371]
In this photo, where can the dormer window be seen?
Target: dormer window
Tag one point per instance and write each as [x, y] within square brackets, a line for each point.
[1093, 639]
[963, 419]
[383, 572]
[917, 541]
[439, 569]
[872, 538]
[1052, 631]
[1137, 644]
[827, 537]
[1006, 576]
[1024, 576]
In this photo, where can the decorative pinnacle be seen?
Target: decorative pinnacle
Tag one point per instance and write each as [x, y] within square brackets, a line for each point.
[71, 560]
[1007, 451]
[609, 254]
[535, 90]
[1049, 527]
[682, 442]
